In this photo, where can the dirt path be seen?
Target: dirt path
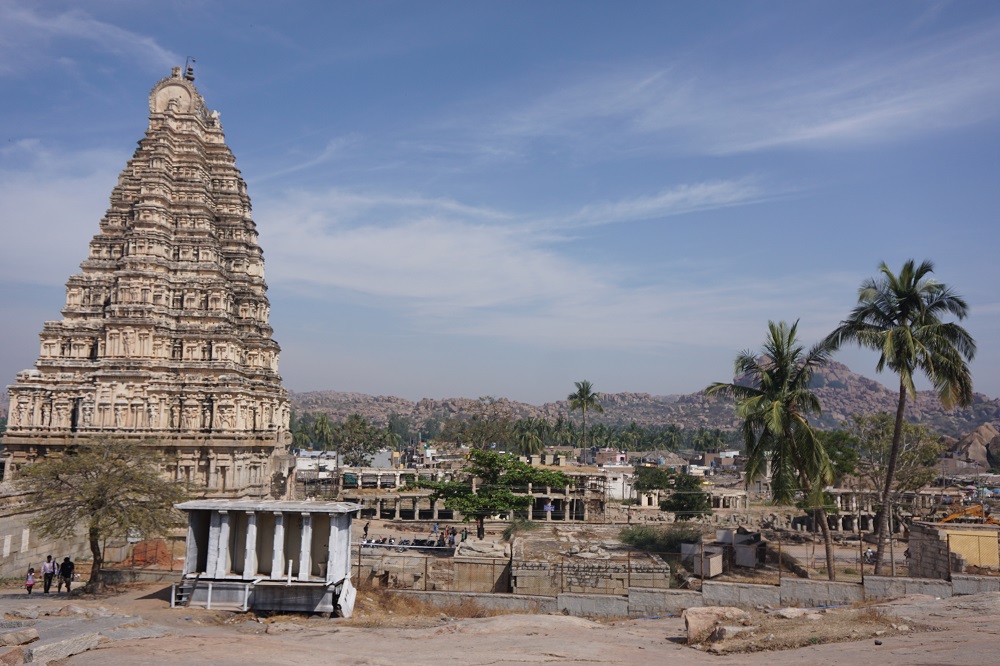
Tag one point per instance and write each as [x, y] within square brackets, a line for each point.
[968, 633]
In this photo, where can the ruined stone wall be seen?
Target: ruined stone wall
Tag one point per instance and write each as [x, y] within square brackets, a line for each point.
[549, 579]
[21, 546]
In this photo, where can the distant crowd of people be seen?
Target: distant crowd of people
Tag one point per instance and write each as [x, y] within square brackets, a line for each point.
[62, 572]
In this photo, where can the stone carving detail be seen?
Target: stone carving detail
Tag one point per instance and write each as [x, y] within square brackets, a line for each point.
[165, 333]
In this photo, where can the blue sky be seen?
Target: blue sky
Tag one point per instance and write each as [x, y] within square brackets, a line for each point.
[475, 198]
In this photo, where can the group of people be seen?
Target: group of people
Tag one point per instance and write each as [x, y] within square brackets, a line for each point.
[449, 533]
[51, 569]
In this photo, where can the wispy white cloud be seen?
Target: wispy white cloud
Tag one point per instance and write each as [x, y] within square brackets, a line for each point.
[26, 33]
[480, 272]
[685, 198]
[47, 195]
[925, 85]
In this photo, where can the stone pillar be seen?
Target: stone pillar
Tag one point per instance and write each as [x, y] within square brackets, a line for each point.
[305, 547]
[214, 529]
[191, 550]
[548, 514]
[434, 510]
[278, 558]
[396, 508]
[250, 552]
[567, 506]
[222, 564]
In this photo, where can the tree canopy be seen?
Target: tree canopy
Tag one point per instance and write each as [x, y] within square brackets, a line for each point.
[489, 486]
[110, 488]
[902, 317]
[774, 405]
[584, 398]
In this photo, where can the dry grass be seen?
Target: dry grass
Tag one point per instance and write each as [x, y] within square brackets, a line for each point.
[859, 622]
[388, 608]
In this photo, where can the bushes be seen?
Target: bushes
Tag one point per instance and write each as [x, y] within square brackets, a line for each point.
[660, 540]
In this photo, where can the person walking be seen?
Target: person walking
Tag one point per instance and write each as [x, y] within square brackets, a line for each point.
[48, 573]
[365, 536]
[66, 574]
[29, 582]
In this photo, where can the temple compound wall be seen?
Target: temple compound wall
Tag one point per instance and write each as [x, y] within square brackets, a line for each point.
[268, 555]
[164, 337]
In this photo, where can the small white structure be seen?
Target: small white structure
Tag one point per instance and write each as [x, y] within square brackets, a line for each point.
[268, 555]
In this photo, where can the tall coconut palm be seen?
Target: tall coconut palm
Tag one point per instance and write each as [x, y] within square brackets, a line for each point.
[584, 398]
[529, 435]
[773, 402]
[900, 316]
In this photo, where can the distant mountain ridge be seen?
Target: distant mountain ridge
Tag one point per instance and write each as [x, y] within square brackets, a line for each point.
[841, 392]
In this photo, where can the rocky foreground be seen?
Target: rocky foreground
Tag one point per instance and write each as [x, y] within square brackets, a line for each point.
[138, 627]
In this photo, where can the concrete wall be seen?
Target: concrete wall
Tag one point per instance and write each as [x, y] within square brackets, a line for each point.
[962, 584]
[882, 587]
[20, 545]
[812, 593]
[741, 595]
[511, 603]
[645, 602]
[593, 605]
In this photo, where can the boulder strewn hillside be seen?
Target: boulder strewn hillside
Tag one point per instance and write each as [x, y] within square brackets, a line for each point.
[841, 392]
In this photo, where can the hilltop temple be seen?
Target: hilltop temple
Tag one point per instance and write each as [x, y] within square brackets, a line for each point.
[164, 338]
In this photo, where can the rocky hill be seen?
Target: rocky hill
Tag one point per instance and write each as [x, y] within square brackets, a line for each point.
[841, 392]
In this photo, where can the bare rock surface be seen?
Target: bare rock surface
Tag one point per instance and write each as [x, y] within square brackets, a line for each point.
[702, 622]
[963, 630]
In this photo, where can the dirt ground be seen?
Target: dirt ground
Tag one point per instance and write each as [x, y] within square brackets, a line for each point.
[957, 631]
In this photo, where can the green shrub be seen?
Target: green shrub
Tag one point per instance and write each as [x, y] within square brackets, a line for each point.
[659, 539]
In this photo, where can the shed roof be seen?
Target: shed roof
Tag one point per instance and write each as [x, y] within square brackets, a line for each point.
[289, 506]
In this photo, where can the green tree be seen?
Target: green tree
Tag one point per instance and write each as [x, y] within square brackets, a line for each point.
[324, 432]
[842, 449]
[652, 478]
[358, 441]
[487, 489]
[773, 406]
[110, 488]
[918, 452]
[583, 399]
[687, 500]
[902, 317]
[530, 435]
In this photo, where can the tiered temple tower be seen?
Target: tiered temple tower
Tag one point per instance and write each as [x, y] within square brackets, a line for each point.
[165, 338]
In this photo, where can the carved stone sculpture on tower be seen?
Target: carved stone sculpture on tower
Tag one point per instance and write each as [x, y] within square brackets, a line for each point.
[165, 335]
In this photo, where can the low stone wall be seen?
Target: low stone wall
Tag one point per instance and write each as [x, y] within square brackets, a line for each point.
[741, 595]
[645, 602]
[125, 576]
[609, 578]
[965, 584]
[813, 593]
[593, 605]
[883, 587]
[511, 603]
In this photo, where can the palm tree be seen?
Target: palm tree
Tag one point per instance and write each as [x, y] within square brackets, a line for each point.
[773, 401]
[324, 431]
[529, 436]
[900, 316]
[584, 398]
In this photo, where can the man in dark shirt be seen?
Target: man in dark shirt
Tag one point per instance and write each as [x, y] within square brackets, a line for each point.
[66, 573]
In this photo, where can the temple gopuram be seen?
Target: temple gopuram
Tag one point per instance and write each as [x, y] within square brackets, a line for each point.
[164, 338]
